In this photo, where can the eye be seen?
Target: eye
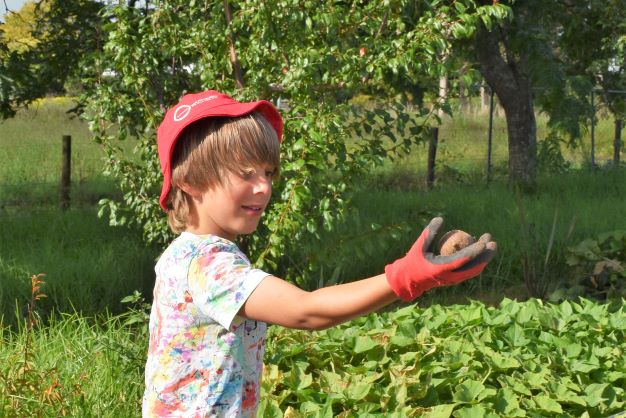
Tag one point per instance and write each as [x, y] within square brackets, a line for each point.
[246, 173]
[270, 173]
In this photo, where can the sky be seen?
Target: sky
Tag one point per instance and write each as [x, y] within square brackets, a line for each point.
[13, 5]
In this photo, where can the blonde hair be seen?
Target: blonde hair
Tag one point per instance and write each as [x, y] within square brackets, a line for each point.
[207, 149]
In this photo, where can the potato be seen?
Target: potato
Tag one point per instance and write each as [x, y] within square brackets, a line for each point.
[454, 241]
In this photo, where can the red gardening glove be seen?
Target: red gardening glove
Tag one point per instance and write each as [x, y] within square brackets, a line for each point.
[421, 270]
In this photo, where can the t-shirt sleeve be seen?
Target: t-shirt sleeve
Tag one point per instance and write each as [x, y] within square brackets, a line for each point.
[220, 280]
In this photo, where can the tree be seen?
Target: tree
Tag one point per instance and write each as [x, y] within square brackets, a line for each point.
[19, 27]
[593, 45]
[313, 54]
[552, 54]
[43, 45]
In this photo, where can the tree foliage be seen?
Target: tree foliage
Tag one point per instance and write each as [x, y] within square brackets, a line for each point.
[313, 55]
[19, 27]
[593, 46]
[43, 46]
[138, 59]
[551, 55]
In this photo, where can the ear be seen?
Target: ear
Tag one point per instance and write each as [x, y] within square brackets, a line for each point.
[193, 192]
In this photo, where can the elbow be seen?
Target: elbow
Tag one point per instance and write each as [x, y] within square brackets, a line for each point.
[318, 327]
[317, 323]
[314, 314]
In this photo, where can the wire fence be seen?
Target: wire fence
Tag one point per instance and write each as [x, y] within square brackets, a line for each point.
[64, 171]
[53, 171]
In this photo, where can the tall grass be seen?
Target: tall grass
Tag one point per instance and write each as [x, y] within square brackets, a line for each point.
[89, 266]
[78, 367]
[579, 204]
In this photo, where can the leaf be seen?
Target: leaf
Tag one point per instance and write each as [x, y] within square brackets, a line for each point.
[402, 341]
[548, 404]
[594, 394]
[573, 350]
[617, 320]
[506, 403]
[515, 335]
[468, 391]
[525, 314]
[363, 344]
[268, 408]
[358, 391]
[440, 411]
[298, 379]
[500, 361]
[474, 411]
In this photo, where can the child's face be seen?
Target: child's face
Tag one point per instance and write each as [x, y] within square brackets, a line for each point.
[236, 206]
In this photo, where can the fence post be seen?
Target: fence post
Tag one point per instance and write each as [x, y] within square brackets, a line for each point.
[490, 135]
[593, 130]
[64, 194]
[432, 154]
[617, 141]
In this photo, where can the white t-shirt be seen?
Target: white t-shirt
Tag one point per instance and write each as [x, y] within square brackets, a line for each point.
[203, 359]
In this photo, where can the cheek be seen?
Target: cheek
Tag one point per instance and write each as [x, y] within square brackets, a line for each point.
[237, 195]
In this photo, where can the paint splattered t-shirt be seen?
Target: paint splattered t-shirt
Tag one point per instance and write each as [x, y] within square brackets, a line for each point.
[203, 359]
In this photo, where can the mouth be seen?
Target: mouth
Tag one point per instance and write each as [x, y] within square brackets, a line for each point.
[253, 209]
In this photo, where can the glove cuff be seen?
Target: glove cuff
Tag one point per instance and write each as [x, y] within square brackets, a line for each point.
[402, 280]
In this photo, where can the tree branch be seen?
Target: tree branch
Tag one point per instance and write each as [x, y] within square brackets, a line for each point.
[231, 47]
[383, 24]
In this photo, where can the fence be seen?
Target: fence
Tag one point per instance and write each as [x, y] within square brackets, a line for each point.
[617, 143]
[59, 171]
[67, 184]
[617, 146]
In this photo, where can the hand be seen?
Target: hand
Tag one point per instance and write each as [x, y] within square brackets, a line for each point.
[421, 270]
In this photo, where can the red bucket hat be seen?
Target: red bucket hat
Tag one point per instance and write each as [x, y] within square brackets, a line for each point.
[193, 107]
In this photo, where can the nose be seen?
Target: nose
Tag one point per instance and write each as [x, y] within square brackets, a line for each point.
[262, 184]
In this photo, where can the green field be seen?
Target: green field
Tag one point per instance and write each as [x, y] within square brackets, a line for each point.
[90, 266]
[81, 357]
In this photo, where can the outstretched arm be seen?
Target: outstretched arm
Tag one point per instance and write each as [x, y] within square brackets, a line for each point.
[279, 302]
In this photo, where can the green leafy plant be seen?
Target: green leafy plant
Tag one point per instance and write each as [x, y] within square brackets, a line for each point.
[521, 359]
[598, 267]
[549, 155]
[538, 259]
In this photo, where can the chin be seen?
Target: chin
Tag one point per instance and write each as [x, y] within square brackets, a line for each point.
[247, 231]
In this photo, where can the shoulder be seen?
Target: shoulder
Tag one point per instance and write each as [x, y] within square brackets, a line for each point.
[213, 252]
[213, 245]
[187, 247]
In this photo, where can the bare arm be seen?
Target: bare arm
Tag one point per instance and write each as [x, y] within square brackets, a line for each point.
[278, 302]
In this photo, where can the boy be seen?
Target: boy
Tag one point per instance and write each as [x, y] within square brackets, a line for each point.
[211, 307]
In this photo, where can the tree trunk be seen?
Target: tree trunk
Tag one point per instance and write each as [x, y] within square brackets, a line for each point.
[464, 101]
[231, 48]
[508, 78]
[443, 94]
[617, 141]
[464, 104]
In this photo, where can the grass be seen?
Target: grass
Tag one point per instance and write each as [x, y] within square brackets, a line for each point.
[77, 358]
[30, 164]
[585, 204]
[89, 266]
[77, 367]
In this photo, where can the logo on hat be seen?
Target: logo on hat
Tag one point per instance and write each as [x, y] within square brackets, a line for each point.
[183, 111]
